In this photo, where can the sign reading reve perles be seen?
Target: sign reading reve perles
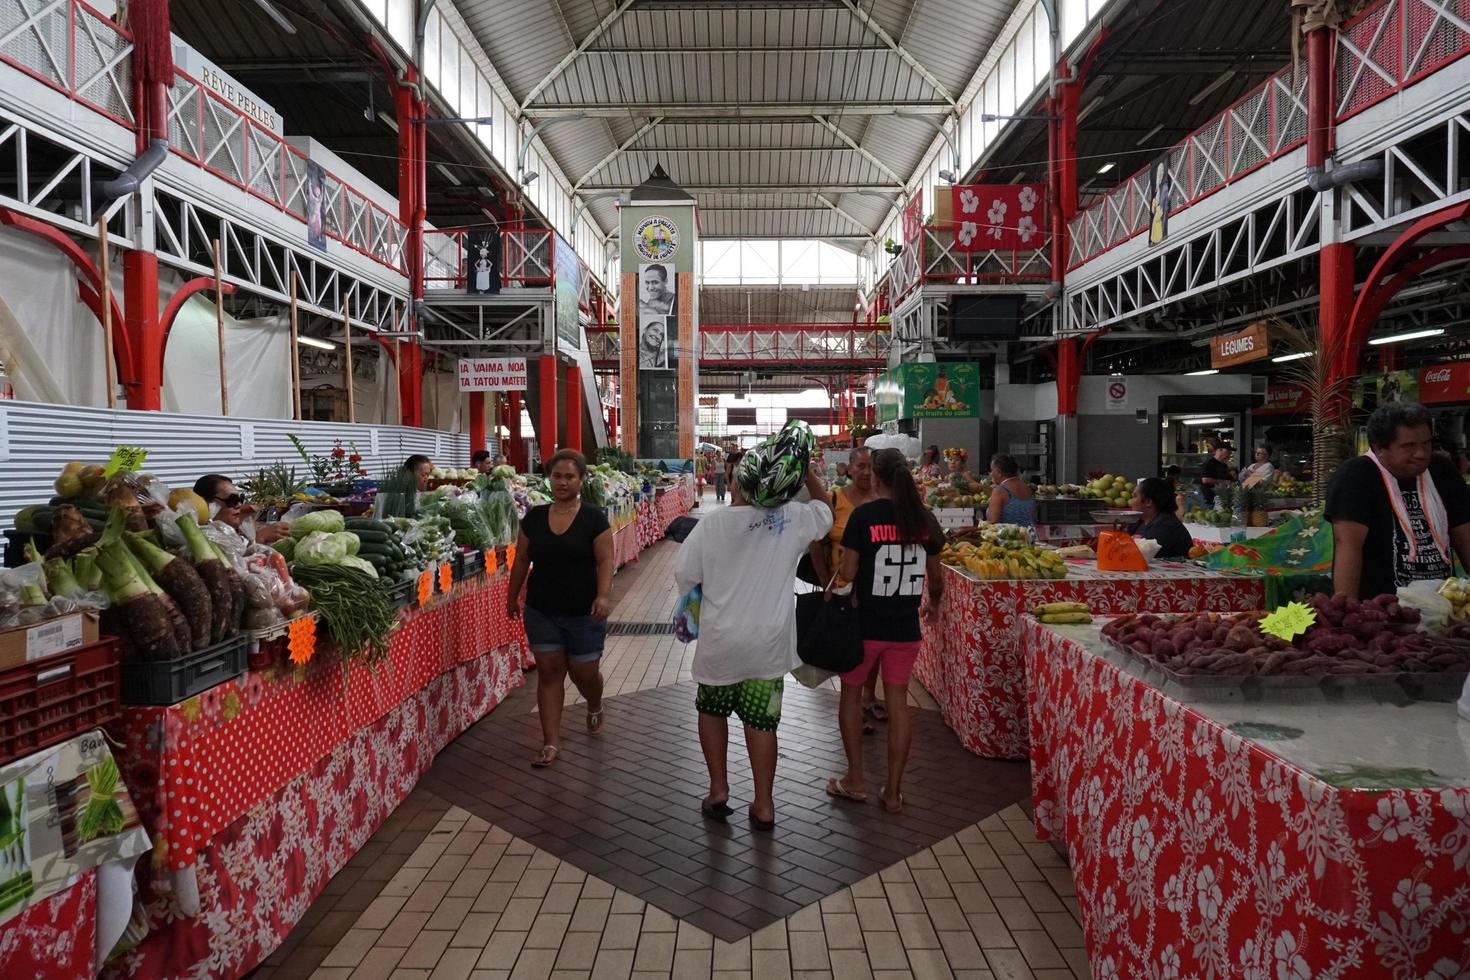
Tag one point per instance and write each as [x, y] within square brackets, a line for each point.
[492, 374]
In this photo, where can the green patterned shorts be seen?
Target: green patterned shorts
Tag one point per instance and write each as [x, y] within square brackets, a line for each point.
[757, 703]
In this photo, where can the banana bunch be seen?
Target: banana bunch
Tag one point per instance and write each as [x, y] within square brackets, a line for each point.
[1457, 591]
[1063, 613]
[994, 560]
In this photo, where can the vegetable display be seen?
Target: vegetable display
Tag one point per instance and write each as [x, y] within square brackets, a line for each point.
[354, 607]
[1375, 636]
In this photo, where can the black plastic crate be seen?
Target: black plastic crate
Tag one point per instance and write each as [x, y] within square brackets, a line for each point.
[404, 593]
[172, 681]
[471, 563]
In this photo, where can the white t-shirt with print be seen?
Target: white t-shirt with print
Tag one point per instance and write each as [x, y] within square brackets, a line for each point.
[745, 558]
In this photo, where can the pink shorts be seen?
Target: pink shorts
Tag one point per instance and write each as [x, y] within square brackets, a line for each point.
[894, 657]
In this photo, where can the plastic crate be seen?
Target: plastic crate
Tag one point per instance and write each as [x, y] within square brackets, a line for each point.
[471, 563]
[172, 681]
[56, 698]
[403, 594]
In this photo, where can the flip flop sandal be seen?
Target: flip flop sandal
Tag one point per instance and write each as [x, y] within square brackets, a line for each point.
[838, 790]
[594, 720]
[547, 757]
[876, 712]
[716, 811]
[758, 824]
[892, 806]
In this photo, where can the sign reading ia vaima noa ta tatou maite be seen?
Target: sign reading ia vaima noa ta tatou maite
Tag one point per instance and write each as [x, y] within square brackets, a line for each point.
[492, 374]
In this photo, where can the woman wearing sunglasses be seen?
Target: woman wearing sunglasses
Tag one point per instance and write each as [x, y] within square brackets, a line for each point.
[228, 506]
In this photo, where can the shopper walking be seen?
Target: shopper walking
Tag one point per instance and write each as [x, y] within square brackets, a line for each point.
[890, 549]
[744, 559]
[826, 553]
[568, 549]
[720, 470]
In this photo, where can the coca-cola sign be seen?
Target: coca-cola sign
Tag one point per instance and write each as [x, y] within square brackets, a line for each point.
[1443, 383]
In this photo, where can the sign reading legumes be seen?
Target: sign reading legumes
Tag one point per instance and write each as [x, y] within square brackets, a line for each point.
[492, 374]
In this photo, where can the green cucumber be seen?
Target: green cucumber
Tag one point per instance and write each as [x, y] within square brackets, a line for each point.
[367, 535]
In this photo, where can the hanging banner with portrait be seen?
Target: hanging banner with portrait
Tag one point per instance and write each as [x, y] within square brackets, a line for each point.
[998, 216]
[1160, 200]
[316, 225]
[568, 279]
[482, 262]
[658, 315]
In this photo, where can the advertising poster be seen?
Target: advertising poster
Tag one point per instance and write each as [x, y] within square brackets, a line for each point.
[1160, 200]
[568, 284]
[658, 315]
[482, 262]
[941, 391]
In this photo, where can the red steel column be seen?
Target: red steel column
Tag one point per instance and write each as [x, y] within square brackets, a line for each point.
[408, 110]
[1069, 376]
[1335, 307]
[143, 378]
[546, 431]
[477, 421]
[517, 451]
[574, 408]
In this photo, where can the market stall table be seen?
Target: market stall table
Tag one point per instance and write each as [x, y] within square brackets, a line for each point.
[970, 662]
[1225, 839]
[261, 789]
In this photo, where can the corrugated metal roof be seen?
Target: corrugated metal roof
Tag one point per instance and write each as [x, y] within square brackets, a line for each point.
[798, 56]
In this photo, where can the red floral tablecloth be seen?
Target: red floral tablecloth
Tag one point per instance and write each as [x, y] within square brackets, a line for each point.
[970, 663]
[626, 544]
[1200, 853]
[649, 529]
[53, 938]
[197, 766]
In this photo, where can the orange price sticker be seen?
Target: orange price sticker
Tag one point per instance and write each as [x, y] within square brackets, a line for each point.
[489, 559]
[510, 555]
[446, 577]
[302, 639]
[426, 587]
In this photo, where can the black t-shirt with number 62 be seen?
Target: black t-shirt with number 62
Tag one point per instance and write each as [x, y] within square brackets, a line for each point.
[890, 578]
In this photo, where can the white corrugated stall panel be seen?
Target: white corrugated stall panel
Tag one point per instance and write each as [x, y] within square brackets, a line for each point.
[37, 440]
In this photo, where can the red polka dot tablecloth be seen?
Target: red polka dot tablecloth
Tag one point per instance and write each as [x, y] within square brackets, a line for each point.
[197, 766]
[971, 662]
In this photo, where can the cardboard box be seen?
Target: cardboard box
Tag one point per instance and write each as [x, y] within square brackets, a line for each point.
[24, 644]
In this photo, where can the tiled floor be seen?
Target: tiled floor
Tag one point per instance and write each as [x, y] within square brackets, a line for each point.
[602, 867]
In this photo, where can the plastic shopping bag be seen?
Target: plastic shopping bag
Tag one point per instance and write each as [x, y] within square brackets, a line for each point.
[686, 615]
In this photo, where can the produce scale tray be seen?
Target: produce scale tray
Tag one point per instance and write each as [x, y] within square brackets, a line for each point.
[1400, 688]
[171, 681]
[52, 699]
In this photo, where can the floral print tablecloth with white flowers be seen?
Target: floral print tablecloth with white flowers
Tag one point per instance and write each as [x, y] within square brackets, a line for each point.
[1234, 840]
[970, 662]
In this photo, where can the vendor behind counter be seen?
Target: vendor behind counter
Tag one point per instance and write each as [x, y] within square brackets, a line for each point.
[1399, 514]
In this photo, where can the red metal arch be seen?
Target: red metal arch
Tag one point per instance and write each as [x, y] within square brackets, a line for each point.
[1395, 269]
[89, 286]
[196, 285]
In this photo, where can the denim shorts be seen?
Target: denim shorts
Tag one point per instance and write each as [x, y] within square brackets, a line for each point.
[579, 637]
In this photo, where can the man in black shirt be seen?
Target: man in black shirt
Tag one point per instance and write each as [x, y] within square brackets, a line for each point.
[1398, 515]
[1216, 470]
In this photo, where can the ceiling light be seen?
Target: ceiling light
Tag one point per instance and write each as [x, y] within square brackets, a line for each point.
[1149, 135]
[1411, 335]
[448, 174]
[1292, 357]
[1200, 374]
[313, 342]
[1203, 420]
[948, 176]
[388, 120]
[1204, 93]
[1106, 167]
[527, 177]
[1090, 108]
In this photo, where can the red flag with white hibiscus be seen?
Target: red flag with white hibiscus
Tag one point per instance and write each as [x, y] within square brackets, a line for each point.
[913, 217]
[998, 216]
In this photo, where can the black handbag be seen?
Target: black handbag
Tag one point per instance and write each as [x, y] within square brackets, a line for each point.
[827, 632]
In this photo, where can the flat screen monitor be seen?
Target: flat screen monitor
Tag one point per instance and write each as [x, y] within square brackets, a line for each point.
[987, 316]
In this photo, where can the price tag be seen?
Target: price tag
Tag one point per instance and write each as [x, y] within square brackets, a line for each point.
[426, 587]
[1292, 619]
[446, 577]
[489, 560]
[125, 459]
[301, 641]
